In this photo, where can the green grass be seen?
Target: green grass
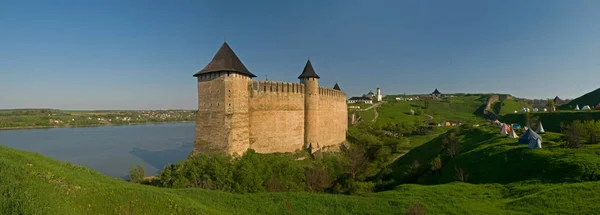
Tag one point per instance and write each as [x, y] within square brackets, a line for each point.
[460, 108]
[508, 107]
[489, 157]
[367, 115]
[52, 187]
[552, 120]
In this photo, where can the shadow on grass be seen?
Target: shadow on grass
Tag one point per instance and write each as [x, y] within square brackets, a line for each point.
[489, 158]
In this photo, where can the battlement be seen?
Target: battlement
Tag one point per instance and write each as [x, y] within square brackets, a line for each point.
[323, 91]
[260, 87]
[236, 113]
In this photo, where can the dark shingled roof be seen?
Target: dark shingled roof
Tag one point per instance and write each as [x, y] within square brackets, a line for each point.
[337, 87]
[556, 99]
[308, 71]
[436, 92]
[225, 61]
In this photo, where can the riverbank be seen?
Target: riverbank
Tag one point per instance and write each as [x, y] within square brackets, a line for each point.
[91, 125]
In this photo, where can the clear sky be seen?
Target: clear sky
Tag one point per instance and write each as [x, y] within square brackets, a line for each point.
[142, 54]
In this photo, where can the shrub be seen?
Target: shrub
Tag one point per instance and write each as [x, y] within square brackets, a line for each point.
[136, 174]
[357, 187]
[436, 164]
[460, 174]
[573, 134]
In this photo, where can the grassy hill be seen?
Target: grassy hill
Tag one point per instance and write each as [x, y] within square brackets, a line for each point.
[34, 184]
[592, 99]
[489, 157]
[508, 106]
[459, 108]
[552, 120]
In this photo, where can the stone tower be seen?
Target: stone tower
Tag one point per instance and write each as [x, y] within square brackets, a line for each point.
[222, 119]
[378, 94]
[310, 79]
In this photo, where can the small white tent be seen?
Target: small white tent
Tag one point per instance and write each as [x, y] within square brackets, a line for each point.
[577, 107]
[587, 107]
[535, 110]
[545, 109]
[540, 128]
[503, 129]
[535, 143]
[512, 134]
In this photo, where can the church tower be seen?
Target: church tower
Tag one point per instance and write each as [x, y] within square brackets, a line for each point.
[310, 79]
[222, 121]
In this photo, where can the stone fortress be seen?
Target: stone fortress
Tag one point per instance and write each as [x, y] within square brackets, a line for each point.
[236, 113]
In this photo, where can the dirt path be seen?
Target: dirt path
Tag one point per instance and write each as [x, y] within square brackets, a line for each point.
[376, 115]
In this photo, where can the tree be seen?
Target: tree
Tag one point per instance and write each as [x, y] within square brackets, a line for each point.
[460, 174]
[436, 164]
[136, 174]
[574, 134]
[550, 103]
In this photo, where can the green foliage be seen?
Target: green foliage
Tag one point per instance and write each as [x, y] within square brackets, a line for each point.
[249, 173]
[136, 174]
[581, 132]
[550, 103]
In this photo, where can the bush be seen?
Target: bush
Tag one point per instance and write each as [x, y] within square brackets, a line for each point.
[136, 174]
[436, 164]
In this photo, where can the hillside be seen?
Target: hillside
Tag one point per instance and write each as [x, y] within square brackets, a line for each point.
[508, 106]
[34, 184]
[552, 120]
[489, 157]
[592, 99]
[464, 108]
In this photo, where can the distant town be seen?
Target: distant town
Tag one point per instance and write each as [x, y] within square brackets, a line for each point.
[47, 118]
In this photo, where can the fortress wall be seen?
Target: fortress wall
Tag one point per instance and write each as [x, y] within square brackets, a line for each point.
[333, 118]
[211, 130]
[276, 112]
[237, 116]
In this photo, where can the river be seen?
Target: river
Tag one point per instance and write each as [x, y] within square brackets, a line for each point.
[110, 150]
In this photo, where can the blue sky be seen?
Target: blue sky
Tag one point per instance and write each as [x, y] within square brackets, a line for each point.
[142, 54]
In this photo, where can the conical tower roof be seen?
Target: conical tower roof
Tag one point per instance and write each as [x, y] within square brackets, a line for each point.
[337, 87]
[225, 61]
[436, 92]
[308, 71]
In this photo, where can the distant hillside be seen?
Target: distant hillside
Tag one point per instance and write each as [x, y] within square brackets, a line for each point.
[508, 106]
[592, 99]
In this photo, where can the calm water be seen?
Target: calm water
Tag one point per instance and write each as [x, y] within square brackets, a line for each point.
[111, 150]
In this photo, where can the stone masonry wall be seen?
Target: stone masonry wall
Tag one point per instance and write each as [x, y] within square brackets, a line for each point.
[211, 130]
[333, 119]
[276, 116]
[236, 113]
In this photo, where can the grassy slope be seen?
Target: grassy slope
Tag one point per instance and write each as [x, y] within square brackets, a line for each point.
[461, 108]
[508, 106]
[52, 187]
[592, 99]
[552, 120]
[489, 157]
